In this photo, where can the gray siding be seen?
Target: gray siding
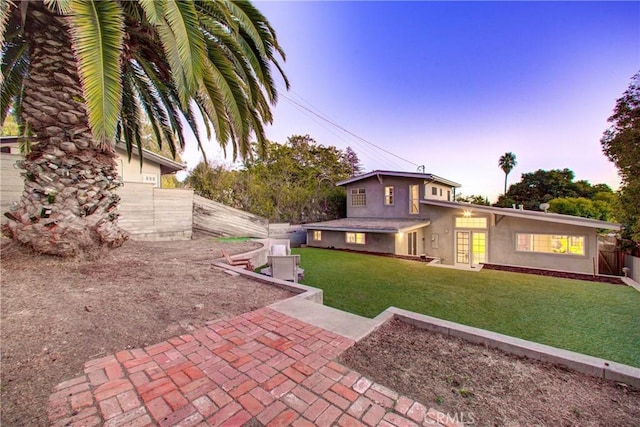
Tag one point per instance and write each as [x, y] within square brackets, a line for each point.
[375, 207]
[501, 241]
[375, 242]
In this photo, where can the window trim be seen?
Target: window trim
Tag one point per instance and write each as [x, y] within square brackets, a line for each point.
[389, 199]
[414, 202]
[561, 236]
[355, 235]
[361, 194]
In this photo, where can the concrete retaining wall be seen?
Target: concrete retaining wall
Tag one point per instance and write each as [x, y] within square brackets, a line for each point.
[634, 266]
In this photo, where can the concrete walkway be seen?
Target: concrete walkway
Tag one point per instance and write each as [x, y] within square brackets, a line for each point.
[260, 368]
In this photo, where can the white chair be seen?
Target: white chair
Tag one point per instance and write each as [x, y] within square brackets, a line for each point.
[280, 249]
[284, 267]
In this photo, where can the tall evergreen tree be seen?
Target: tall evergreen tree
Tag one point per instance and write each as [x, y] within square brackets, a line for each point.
[81, 75]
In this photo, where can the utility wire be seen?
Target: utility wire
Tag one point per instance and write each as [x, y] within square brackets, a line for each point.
[331, 122]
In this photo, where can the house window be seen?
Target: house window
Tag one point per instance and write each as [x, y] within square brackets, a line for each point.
[358, 197]
[317, 235]
[441, 192]
[550, 244]
[355, 238]
[388, 196]
[434, 191]
[463, 222]
[449, 195]
[414, 194]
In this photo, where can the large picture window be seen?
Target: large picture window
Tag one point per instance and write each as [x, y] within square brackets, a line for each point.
[550, 244]
[355, 238]
[358, 197]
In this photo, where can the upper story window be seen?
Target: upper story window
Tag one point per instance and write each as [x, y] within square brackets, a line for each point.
[414, 194]
[550, 244]
[434, 191]
[448, 195]
[358, 197]
[388, 196]
[441, 192]
[464, 222]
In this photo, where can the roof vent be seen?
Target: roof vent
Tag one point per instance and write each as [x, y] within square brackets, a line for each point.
[521, 207]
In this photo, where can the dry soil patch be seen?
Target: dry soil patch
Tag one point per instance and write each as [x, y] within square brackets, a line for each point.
[59, 313]
[487, 387]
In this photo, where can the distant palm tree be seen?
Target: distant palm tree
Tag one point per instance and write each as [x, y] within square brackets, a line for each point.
[82, 75]
[507, 162]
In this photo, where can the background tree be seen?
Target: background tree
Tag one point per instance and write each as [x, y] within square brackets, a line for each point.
[543, 186]
[507, 162]
[351, 158]
[621, 144]
[82, 74]
[474, 199]
[292, 182]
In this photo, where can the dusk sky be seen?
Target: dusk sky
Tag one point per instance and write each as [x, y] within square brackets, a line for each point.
[454, 85]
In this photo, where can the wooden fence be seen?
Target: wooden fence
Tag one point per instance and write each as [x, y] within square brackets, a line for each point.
[633, 263]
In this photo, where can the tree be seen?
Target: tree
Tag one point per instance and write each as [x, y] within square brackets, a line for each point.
[542, 186]
[507, 162]
[474, 199]
[351, 158]
[291, 182]
[621, 144]
[82, 74]
[601, 209]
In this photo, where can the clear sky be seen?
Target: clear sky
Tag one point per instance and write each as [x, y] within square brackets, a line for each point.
[454, 85]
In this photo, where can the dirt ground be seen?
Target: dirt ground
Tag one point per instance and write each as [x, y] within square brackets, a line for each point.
[57, 314]
[487, 387]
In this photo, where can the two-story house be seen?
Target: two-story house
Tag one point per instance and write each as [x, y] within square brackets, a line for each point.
[415, 214]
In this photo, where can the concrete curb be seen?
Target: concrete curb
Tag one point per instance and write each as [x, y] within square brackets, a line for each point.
[304, 292]
[630, 282]
[582, 363]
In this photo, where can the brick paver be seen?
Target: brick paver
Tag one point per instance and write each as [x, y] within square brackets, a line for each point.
[259, 368]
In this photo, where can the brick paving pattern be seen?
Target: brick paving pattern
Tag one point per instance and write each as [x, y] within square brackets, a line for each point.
[259, 368]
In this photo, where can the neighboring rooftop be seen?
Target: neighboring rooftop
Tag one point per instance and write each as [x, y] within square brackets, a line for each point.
[528, 214]
[380, 173]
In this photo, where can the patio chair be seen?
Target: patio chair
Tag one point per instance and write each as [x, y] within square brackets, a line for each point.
[280, 249]
[238, 262]
[284, 267]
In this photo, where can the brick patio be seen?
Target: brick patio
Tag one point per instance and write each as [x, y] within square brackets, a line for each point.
[259, 368]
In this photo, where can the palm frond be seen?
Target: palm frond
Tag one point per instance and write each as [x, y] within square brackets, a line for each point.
[15, 67]
[97, 31]
[182, 19]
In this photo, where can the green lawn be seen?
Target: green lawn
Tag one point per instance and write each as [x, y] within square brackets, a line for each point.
[591, 318]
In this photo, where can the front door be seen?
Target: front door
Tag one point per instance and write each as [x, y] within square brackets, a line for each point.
[471, 247]
[412, 245]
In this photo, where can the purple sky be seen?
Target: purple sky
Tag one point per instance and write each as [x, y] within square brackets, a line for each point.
[454, 85]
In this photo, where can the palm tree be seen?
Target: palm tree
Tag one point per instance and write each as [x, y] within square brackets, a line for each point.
[507, 162]
[82, 75]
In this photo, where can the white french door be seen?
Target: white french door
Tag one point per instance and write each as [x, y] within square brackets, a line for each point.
[471, 247]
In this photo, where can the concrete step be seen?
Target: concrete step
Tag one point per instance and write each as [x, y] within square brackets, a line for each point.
[340, 322]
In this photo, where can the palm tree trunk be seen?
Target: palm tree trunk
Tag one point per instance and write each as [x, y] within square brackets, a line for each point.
[505, 183]
[68, 205]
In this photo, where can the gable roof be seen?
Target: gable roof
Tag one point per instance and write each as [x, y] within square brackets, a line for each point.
[368, 225]
[380, 173]
[532, 215]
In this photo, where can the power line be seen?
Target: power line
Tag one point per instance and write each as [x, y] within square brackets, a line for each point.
[331, 122]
